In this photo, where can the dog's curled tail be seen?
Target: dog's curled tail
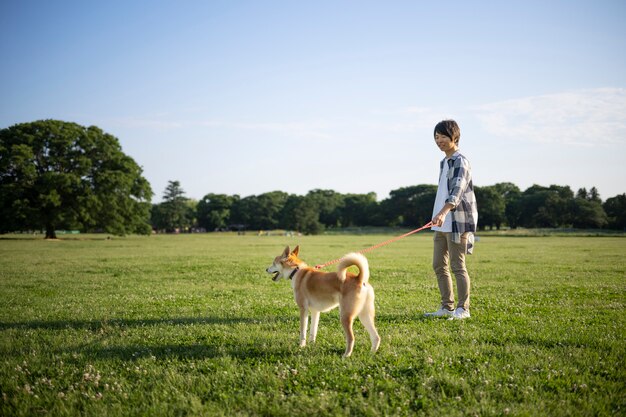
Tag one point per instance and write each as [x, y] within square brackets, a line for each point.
[359, 261]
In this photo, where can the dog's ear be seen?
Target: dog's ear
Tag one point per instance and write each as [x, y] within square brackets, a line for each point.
[296, 250]
[286, 252]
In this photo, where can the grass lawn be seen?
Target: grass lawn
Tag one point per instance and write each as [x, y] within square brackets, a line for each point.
[192, 325]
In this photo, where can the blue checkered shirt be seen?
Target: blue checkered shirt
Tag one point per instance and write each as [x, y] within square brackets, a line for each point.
[461, 195]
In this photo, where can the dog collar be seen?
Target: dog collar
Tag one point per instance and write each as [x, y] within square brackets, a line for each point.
[294, 272]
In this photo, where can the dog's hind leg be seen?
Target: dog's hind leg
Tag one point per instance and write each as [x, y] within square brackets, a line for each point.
[304, 319]
[315, 319]
[366, 316]
[346, 322]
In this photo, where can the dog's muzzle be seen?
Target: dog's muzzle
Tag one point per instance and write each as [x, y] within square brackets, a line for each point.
[275, 274]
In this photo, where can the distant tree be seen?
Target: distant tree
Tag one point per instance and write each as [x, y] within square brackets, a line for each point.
[512, 210]
[243, 212]
[410, 206]
[586, 213]
[192, 213]
[502, 203]
[56, 174]
[507, 189]
[329, 204]
[615, 208]
[491, 206]
[174, 213]
[174, 193]
[304, 213]
[359, 210]
[288, 219]
[269, 209]
[586, 210]
[389, 213]
[546, 206]
[214, 211]
[307, 216]
[591, 195]
[158, 217]
[594, 195]
[260, 212]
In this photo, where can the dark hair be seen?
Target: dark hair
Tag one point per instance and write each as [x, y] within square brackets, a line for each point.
[450, 129]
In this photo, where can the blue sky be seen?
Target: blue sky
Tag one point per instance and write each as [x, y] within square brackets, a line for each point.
[246, 97]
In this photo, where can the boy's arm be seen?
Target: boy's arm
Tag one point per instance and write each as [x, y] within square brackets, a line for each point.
[460, 180]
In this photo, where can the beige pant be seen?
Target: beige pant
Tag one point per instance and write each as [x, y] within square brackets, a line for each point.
[451, 256]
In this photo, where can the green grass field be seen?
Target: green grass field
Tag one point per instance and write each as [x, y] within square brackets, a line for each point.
[192, 325]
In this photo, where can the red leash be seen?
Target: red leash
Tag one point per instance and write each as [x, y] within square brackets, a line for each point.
[371, 248]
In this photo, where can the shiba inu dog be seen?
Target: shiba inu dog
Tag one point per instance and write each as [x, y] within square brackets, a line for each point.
[316, 292]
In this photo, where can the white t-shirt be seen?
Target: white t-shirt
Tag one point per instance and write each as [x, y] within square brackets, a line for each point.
[440, 200]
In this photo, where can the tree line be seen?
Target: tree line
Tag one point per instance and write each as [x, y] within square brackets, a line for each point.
[58, 175]
[499, 205]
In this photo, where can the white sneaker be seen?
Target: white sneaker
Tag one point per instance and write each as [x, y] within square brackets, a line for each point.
[442, 312]
[459, 314]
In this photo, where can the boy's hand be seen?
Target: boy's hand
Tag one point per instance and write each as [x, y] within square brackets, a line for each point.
[441, 216]
[439, 219]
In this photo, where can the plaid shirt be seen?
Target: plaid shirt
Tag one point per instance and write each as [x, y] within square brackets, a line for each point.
[461, 195]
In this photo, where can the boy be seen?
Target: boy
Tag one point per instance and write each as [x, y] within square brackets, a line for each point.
[454, 222]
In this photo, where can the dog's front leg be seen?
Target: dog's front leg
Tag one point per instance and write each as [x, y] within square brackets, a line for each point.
[304, 318]
[315, 319]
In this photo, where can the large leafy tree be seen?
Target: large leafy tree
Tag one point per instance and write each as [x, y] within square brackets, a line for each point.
[56, 174]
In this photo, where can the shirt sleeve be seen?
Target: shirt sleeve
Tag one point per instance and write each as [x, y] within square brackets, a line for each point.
[457, 185]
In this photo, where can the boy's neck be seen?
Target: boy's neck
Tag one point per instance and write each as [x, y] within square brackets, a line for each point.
[451, 152]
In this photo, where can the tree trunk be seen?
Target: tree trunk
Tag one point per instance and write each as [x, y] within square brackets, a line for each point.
[50, 233]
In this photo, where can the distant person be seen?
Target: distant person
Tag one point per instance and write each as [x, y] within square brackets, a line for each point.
[454, 223]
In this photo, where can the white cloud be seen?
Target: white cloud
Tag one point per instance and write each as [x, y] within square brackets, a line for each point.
[584, 117]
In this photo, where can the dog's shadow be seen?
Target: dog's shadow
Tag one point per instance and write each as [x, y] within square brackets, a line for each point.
[95, 325]
[204, 347]
[193, 351]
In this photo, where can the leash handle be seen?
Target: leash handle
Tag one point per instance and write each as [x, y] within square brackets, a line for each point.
[386, 242]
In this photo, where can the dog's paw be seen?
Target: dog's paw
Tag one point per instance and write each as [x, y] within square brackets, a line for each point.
[375, 345]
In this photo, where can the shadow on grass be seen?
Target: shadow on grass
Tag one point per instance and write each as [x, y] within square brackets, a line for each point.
[206, 346]
[61, 238]
[404, 318]
[107, 323]
[194, 351]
